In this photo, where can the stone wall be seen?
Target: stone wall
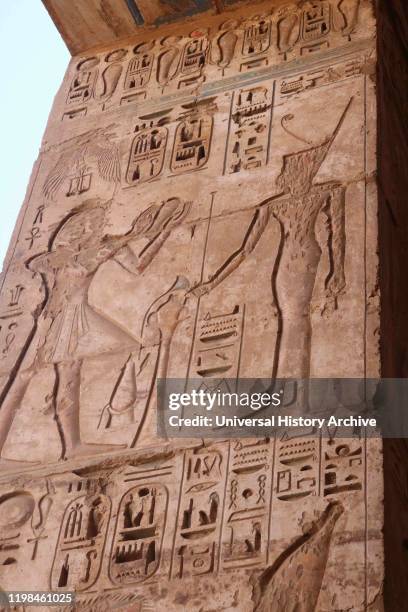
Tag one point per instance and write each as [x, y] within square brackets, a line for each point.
[204, 205]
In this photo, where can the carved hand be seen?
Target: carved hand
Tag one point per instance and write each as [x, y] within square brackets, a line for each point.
[336, 285]
[200, 290]
[328, 305]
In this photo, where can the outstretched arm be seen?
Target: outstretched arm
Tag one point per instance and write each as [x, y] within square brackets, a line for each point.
[255, 230]
[137, 263]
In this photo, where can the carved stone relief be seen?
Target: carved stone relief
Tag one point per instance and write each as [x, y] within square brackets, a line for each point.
[192, 141]
[83, 84]
[250, 128]
[256, 42]
[202, 218]
[147, 154]
[139, 534]
[304, 565]
[224, 44]
[139, 67]
[81, 158]
[179, 62]
[81, 543]
[69, 329]
[193, 518]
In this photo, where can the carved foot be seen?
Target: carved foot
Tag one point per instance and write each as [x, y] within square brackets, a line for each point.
[92, 449]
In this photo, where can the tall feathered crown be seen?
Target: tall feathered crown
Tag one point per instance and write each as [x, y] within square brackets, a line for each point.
[308, 162]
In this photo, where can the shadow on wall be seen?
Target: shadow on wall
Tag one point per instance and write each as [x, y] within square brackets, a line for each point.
[393, 238]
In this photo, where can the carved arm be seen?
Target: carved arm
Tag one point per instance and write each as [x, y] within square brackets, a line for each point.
[255, 230]
[137, 263]
[149, 252]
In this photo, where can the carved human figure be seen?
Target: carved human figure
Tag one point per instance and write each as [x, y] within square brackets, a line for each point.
[69, 329]
[297, 209]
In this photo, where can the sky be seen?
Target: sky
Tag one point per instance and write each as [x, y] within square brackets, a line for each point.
[33, 65]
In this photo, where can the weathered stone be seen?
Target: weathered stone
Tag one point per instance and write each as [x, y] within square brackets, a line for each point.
[207, 175]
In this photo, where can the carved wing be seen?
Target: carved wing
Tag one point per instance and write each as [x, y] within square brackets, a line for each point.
[108, 160]
[61, 170]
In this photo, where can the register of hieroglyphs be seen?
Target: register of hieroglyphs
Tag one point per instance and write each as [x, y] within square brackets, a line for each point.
[204, 204]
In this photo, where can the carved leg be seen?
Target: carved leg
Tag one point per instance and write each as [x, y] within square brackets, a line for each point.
[67, 403]
[294, 360]
[8, 408]
[67, 411]
[294, 291]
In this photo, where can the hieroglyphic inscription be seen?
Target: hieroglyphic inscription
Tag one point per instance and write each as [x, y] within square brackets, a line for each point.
[193, 60]
[247, 504]
[121, 276]
[224, 514]
[83, 84]
[192, 141]
[11, 310]
[217, 347]
[343, 466]
[250, 126]
[147, 154]
[177, 63]
[255, 44]
[139, 532]
[199, 521]
[297, 473]
[16, 510]
[81, 542]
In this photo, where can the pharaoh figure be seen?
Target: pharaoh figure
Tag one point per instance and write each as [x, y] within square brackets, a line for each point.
[69, 329]
[297, 208]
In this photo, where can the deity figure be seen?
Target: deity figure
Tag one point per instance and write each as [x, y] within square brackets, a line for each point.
[297, 209]
[69, 329]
